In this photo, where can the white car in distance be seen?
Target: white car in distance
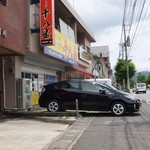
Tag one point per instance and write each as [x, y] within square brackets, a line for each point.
[140, 87]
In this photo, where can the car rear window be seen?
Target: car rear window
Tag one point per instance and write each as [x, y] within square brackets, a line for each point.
[141, 85]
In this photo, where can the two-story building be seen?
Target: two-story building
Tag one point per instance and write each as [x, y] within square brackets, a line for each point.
[26, 64]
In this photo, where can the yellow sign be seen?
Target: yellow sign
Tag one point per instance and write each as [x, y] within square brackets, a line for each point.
[35, 97]
[65, 46]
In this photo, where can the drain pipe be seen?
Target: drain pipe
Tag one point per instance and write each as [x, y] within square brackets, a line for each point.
[4, 87]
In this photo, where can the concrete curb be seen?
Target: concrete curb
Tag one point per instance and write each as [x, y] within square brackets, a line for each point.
[38, 113]
[148, 102]
[69, 137]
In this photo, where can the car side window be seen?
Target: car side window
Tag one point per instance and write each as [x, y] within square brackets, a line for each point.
[91, 87]
[108, 91]
[66, 85]
[58, 85]
[62, 85]
[74, 85]
[70, 85]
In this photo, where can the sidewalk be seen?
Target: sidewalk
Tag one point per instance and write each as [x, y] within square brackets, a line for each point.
[69, 137]
[31, 133]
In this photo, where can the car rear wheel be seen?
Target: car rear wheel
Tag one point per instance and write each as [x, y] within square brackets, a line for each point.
[53, 106]
[118, 109]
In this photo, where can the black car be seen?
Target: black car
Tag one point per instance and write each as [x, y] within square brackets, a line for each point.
[93, 96]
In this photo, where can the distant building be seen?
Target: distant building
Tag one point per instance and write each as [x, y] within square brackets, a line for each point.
[101, 66]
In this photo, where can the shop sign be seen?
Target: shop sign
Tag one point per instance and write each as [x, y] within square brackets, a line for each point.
[64, 49]
[47, 22]
[84, 55]
[35, 97]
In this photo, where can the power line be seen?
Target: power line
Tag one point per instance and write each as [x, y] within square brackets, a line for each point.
[142, 26]
[132, 16]
[133, 13]
[135, 32]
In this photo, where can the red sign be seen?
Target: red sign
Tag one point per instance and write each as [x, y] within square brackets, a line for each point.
[47, 22]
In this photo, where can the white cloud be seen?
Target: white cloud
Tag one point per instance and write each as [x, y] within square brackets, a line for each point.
[104, 18]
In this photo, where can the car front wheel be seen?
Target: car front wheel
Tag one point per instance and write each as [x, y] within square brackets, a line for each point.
[53, 106]
[118, 109]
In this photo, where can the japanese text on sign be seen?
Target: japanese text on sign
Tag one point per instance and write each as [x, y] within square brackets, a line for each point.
[47, 22]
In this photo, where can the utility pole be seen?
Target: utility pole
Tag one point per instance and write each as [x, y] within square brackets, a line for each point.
[126, 56]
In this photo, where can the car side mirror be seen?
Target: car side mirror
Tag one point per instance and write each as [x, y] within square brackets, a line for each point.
[102, 91]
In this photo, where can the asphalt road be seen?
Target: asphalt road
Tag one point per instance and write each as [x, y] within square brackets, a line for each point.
[106, 132]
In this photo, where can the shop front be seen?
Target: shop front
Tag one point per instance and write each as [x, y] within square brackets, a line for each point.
[38, 77]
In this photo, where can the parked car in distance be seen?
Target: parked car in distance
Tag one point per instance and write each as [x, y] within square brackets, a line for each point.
[91, 96]
[140, 87]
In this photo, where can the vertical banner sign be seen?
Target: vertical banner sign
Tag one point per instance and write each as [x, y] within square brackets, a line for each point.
[47, 22]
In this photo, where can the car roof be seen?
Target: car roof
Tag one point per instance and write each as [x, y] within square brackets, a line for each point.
[71, 80]
[74, 80]
[141, 83]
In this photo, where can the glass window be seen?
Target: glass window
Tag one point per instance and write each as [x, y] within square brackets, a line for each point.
[66, 85]
[50, 79]
[141, 84]
[70, 85]
[27, 75]
[108, 91]
[22, 74]
[91, 87]
[75, 85]
[96, 88]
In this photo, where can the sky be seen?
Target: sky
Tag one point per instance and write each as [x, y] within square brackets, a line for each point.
[105, 19]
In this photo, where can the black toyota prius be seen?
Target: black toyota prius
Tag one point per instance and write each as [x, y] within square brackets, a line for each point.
[91, 96]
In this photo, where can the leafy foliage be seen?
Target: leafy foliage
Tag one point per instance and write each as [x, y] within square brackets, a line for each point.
[148, 80]
[121, 71]
[141, 78]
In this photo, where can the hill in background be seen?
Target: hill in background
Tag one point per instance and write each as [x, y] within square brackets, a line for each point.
[145, 73]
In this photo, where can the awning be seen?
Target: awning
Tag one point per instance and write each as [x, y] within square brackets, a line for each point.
[82, 71]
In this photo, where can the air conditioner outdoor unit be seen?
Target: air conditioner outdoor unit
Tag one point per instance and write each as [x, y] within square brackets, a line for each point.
[24, 94]
[27, 93]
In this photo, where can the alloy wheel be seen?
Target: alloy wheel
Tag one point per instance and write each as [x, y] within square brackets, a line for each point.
[118, 109]
[53, 106]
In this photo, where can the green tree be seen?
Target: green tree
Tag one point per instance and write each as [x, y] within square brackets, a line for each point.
[141, 78]
[132, 83]
[148, 80]
[121, 71]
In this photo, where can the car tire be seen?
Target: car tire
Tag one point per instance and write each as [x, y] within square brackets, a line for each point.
[53, 106]
[118, 108]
